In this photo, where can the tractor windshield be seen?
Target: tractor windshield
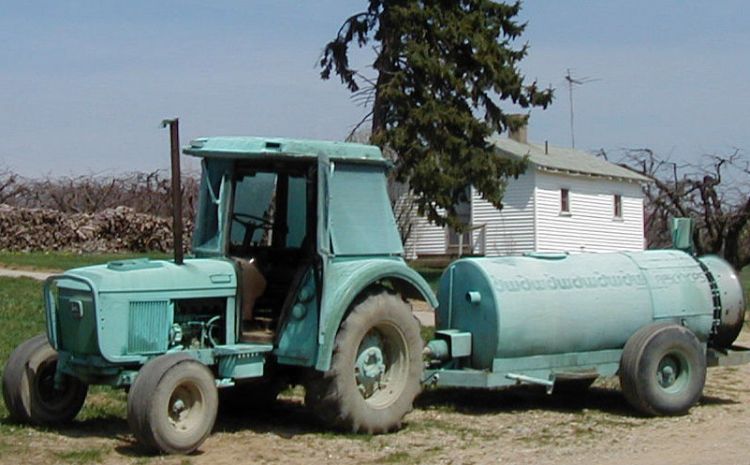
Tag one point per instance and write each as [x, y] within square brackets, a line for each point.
[269, 210]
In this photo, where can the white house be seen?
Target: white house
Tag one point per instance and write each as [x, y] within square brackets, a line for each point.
[567, 201]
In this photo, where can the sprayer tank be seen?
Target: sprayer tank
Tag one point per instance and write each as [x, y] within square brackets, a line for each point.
[542, 304]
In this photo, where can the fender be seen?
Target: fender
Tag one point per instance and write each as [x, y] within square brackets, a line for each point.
[345, 279]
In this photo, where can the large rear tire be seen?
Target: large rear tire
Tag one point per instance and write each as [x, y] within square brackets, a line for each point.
[663, 369]
[29, 386]
[172, 405]
[376, 368]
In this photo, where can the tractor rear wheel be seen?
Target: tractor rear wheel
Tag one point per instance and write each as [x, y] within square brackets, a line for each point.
[29, 387]
[376, 368]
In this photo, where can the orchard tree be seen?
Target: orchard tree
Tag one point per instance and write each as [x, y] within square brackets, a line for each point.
[715, 193]
[442, 68]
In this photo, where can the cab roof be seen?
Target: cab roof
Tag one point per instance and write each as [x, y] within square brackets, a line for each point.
[271, 147]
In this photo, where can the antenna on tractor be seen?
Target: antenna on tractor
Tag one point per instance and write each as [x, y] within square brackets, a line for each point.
[578, 82]
[174, 142]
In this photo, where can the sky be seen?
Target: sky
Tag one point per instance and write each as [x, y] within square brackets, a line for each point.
[84, 84]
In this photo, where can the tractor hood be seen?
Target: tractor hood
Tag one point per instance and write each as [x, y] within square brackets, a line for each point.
[144, 275]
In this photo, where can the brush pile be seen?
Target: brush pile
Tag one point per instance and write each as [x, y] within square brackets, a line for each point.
[109, 230]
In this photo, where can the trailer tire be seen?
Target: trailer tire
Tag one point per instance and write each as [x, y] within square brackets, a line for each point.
[663, 369]
[172, 404]
[28, 386]
[376, 368]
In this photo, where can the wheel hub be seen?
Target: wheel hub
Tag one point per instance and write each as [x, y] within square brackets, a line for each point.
[668, 372]
[184, 407]
[370, 366]
[178, 407]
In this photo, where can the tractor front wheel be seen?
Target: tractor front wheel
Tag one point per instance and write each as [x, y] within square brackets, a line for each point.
[29, 387]
[172, 404]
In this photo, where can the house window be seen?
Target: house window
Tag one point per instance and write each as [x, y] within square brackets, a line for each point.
[565, 201]
[618, 206]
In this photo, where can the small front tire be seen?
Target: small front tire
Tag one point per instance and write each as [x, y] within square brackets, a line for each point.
[29, 386]
[173, 403]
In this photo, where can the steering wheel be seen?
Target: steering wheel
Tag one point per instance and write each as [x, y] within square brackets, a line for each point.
[252, 220]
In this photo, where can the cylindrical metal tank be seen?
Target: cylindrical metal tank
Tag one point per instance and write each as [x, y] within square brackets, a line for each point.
[542, 304]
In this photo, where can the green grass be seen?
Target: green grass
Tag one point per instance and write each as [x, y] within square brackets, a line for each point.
[80, 456]
[64, 260]
[21, 313]
[745, 278]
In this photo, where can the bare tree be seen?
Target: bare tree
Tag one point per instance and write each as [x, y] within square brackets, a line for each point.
[143, 192]
[715, 193]
[11, 186]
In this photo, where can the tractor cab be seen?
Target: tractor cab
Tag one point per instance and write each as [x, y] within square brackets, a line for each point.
[268, 206]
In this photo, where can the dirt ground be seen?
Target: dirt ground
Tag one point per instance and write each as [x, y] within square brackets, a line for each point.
[515, 426]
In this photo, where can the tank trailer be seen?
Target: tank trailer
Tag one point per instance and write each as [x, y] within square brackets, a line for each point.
[297, 276]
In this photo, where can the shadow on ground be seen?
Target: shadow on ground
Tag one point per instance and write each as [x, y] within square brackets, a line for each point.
[520, 399]
[288, 418]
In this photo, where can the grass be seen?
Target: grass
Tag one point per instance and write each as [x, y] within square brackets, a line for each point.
[21, 313]
[65, 260]
[80, 456]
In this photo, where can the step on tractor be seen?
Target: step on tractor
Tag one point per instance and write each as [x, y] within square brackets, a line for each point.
[297, 277]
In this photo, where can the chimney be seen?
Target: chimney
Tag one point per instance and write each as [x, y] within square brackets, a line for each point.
[517, 128]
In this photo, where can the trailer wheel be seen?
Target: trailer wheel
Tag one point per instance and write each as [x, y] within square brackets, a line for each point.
[663, 369]
[375, 371]
[172, 404]
[29, 386]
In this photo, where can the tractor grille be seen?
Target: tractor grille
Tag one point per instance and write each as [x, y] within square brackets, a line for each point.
[73, 310]
[148, 327]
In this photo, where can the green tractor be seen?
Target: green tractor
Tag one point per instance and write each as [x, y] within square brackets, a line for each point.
[297, 276]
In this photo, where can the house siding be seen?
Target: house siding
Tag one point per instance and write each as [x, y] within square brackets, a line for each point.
[531, 219]
[511, 230]
[591, 225]
[425, 239]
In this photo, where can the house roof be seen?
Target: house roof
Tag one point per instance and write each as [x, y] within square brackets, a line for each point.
[272, 147]
[562, 160]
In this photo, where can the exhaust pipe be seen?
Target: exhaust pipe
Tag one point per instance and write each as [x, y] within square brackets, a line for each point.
[174, 140]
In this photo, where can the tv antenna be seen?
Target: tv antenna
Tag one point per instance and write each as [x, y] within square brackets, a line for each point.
[575, 82]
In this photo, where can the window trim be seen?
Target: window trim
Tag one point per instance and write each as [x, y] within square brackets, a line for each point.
[565, 201]
[617, 207]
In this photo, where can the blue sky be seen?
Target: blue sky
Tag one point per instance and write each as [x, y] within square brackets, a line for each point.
[84, 84]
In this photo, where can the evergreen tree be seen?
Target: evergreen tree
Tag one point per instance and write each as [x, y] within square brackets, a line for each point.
[442, 68]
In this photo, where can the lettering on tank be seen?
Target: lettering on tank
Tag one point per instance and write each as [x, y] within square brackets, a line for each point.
[671, 279]
[553, 283]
